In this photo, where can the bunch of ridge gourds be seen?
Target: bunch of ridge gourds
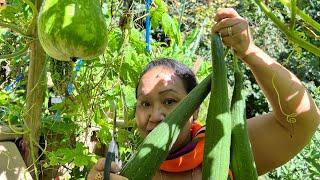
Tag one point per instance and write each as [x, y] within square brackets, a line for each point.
[226, 141]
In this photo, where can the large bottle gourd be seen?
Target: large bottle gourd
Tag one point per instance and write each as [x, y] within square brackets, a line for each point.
[70, 29]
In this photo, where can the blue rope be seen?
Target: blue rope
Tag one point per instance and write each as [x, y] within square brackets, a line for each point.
[79, 64]
[57, 114]
[69, 88]
[18, 79]
[148, 26]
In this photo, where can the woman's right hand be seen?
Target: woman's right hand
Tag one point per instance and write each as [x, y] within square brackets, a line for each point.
[96, 173]
[234, 31]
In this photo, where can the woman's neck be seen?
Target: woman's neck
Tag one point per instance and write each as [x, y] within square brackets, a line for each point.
[182, 141]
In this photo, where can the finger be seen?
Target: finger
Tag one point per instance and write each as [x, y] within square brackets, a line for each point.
[99, 176]
[226, 23]
[117, 177]
[99, 166]
[227, 41]
[95, 175]
[226, 13]
[114, 167]
[235, 30]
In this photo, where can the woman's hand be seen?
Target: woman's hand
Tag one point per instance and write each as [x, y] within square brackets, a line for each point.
[96, 173]
[234, 31]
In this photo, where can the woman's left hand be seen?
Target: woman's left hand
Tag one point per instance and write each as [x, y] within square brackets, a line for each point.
[234, 31]
[96, 173]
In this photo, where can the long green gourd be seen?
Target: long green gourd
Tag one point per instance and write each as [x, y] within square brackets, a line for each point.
[155, 147]
[242, 161]
[218, 122]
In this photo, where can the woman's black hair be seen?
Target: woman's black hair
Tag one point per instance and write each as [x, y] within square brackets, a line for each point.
[182, 71]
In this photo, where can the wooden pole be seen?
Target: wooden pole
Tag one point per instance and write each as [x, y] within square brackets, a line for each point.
[35, 98]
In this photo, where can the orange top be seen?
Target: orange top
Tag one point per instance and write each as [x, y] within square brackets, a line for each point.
[191, 159]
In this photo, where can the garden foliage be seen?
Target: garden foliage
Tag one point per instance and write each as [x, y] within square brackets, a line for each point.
[83, 119]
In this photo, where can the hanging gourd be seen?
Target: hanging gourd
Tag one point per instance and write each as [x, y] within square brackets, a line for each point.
[71, 29]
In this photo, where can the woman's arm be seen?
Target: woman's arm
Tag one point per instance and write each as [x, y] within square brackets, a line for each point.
[279, 135]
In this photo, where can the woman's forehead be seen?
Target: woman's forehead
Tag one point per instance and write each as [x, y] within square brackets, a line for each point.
[159, 72]
[159, 78]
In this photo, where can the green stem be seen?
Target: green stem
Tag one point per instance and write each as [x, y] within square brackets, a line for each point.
[290, 34]
[198, 39]
[10, 46]
[16, 131]
[33, 156]
[15, 54]
[33, 8]
[236, 68]
[34, 16]
[181, 12]
[124, 103]
[268, 13]
[35, 90]
[293, 14]
[303, 15]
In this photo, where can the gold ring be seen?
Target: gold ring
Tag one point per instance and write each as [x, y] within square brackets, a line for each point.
[98, 176]
[229, 30]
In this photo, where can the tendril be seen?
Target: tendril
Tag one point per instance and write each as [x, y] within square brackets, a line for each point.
[290, 118]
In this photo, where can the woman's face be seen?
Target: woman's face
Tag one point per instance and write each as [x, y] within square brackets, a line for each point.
[158, 93]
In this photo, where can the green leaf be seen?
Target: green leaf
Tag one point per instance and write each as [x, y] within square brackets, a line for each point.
[104, 133]
[188, 43]
[128, 74]
[156, 16]
[9, 13]
[129, 91]
[98, 118]
[166, 22]
[79, 155]
[171, 27]
[136, 42]
[3, 98]
[115, 39]
[157, 13]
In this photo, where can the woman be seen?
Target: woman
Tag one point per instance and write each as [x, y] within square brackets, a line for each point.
[275, 139]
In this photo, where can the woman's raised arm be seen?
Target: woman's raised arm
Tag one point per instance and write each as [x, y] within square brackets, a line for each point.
[278, 136]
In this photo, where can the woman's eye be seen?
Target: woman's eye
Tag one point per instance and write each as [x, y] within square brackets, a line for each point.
[145, 104]
[169, 101]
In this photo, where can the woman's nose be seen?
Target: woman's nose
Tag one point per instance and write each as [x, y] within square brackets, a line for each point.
[157, 115]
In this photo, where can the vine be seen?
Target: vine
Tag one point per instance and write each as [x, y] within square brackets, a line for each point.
[291, 35]
[290, 118]
[15, 54]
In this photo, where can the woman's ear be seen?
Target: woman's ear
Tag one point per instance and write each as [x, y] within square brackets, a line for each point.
[195, 115]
